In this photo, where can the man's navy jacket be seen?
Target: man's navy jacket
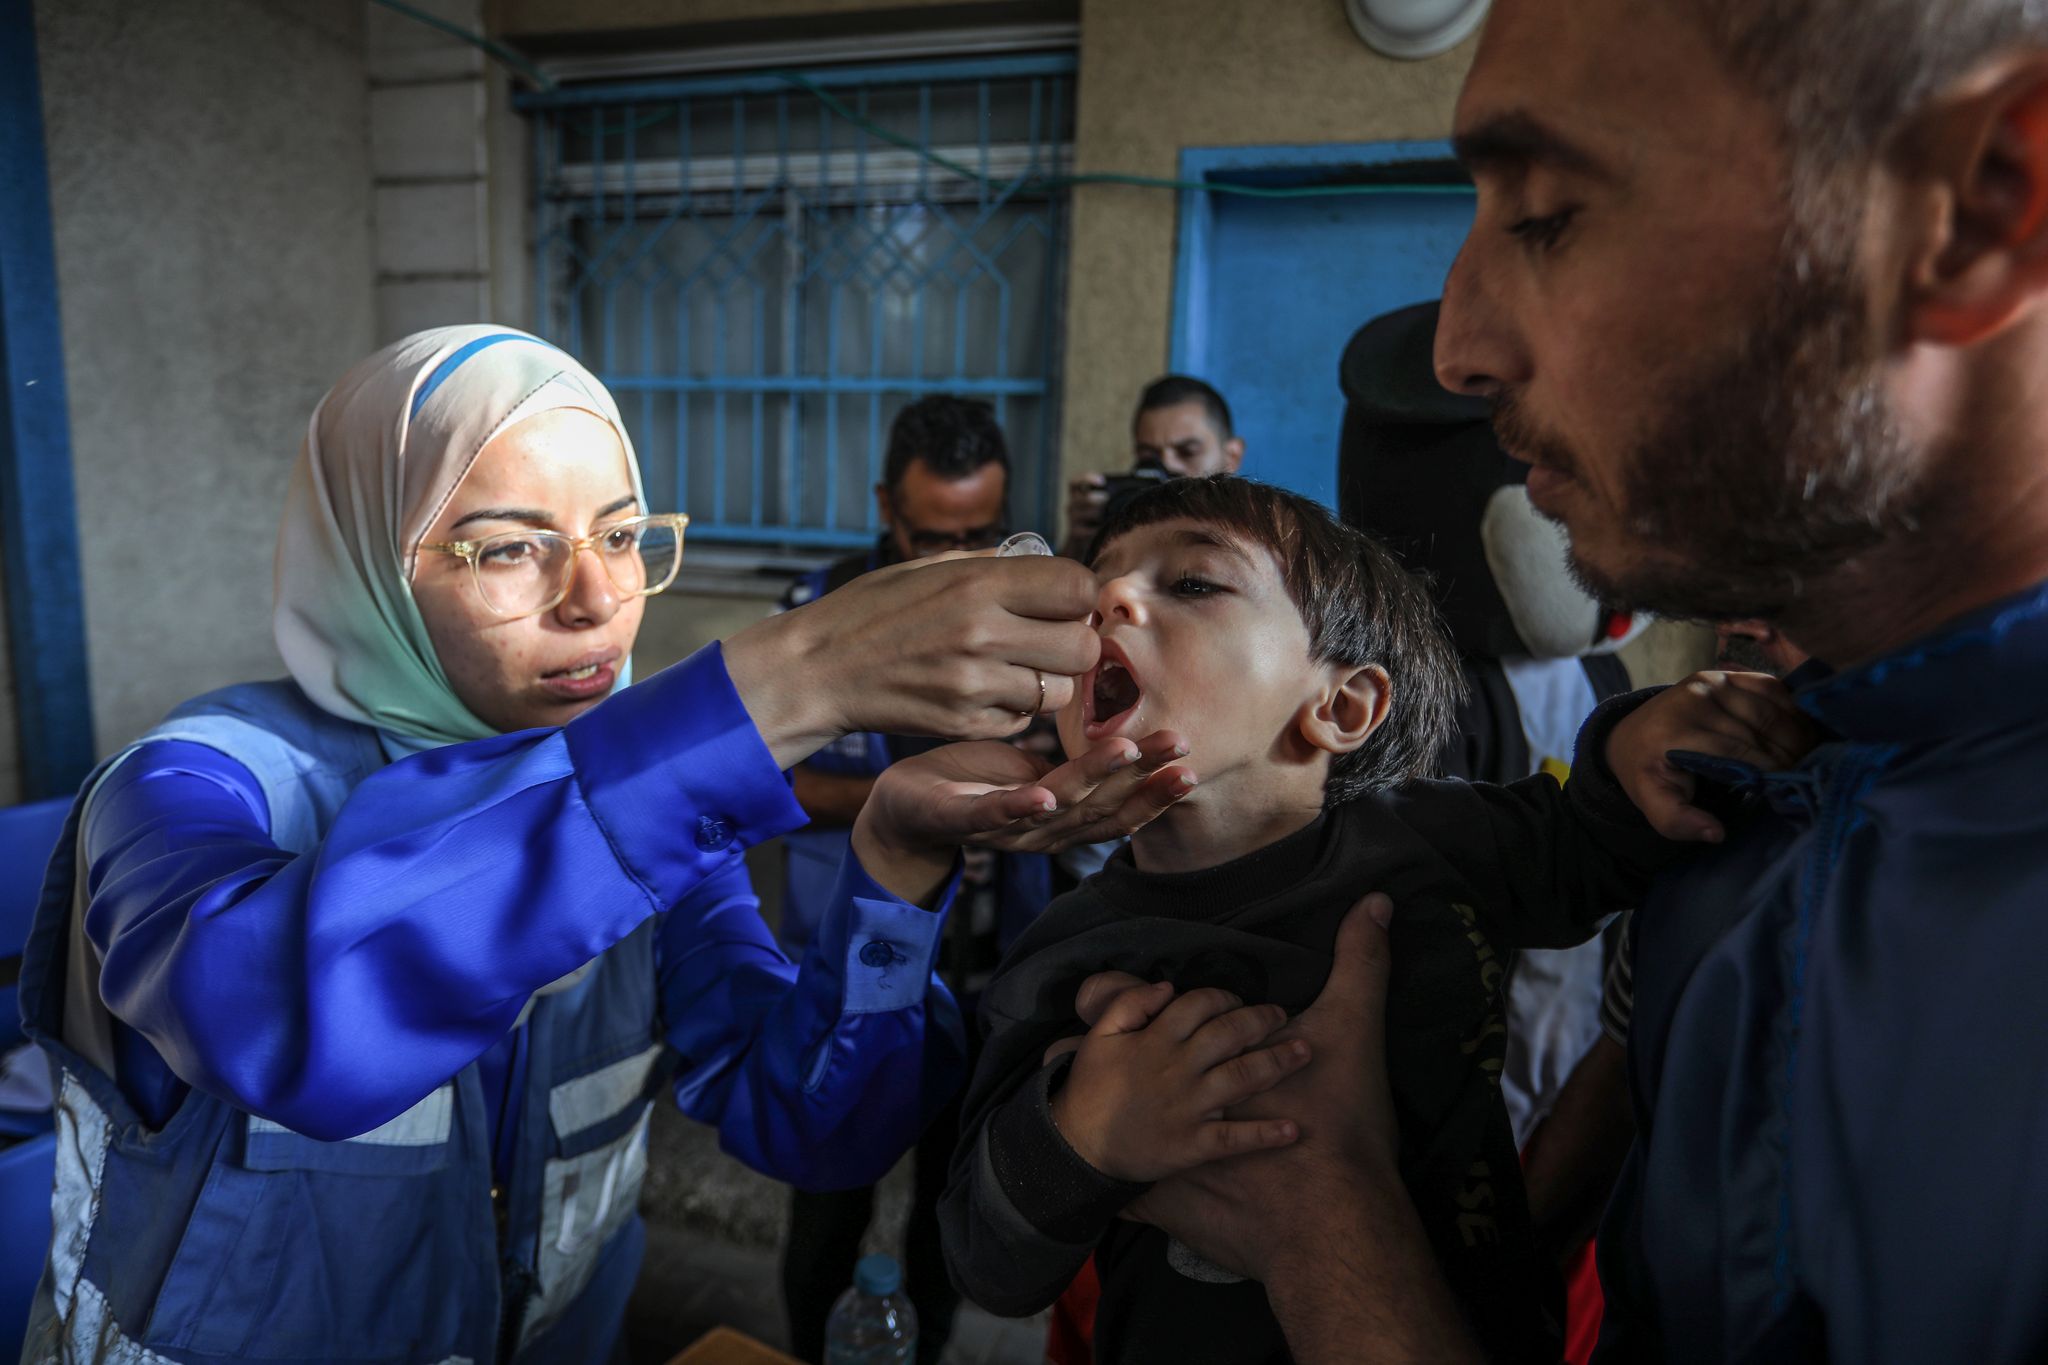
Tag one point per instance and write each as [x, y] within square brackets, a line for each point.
[1840, 1026]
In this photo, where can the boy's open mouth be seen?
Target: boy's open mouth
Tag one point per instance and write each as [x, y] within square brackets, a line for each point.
[1113, 692]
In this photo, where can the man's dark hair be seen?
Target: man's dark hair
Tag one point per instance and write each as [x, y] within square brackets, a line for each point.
[1360, 606]
[1170, 391]
[953, 437]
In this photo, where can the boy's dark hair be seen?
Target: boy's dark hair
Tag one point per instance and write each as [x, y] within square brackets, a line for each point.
[952, 436]
[1170, 391]
[1360, 606]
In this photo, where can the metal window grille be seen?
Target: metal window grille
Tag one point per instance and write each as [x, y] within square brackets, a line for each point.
[763, 282]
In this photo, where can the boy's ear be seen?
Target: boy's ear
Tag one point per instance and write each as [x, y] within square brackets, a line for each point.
[1344, 715]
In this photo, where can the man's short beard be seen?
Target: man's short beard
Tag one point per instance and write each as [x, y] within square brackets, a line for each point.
[1770, 468]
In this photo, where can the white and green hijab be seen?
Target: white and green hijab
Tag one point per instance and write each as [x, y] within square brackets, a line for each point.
[384, 452]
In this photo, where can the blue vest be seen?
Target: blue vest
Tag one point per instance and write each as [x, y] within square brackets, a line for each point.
[223, 1236]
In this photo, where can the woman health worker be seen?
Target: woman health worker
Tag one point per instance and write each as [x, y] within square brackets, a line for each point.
[361, 984]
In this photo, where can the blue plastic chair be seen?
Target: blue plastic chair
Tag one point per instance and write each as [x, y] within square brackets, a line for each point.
[28, 835]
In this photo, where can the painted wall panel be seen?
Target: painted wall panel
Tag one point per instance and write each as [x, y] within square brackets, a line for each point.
[1284, 285]
[1158, 76]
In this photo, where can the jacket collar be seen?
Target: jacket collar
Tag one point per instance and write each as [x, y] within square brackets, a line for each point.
[1984, 670]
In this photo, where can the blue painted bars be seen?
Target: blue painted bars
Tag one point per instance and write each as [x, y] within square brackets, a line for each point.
[765, 267]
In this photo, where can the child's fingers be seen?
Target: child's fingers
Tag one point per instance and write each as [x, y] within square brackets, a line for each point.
[1716, 732]
[1252, 1073]
[1184, 1016]
[1726, 738]
[1235, 1137]
[1666, 803]
[1763, 706]
[1753, 707]
[1132, 1010]
[1762, 685]
[1232, 1032]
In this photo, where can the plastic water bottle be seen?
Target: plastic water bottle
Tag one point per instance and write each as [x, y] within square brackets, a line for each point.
[873, 1322]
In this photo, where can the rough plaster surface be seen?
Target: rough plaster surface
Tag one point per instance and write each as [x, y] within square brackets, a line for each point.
[1161, 75]
[211, 195]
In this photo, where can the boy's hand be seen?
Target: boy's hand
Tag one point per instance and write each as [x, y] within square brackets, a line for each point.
[1750, 717]
[993, 795]
[1150, 1082]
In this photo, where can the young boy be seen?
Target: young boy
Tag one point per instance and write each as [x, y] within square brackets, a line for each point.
[1307, 674]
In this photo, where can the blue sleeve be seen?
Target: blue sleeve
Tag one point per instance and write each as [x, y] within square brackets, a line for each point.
[330, 991]
[822, 1075]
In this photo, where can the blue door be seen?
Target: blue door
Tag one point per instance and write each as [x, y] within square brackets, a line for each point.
[1269, 290]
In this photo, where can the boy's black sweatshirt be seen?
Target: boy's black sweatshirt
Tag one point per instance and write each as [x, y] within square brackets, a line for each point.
[1475, 872]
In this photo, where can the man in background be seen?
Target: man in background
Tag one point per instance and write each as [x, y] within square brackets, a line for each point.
[945, 486]
[1182, 430]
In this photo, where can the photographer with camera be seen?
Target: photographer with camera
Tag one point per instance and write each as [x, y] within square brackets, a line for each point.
[1181, 431]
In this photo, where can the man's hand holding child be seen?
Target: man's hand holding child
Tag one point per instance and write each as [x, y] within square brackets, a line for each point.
[1749, 717]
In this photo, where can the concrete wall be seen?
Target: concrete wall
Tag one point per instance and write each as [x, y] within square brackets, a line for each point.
[210, 188]
[1161, 75]
[449, 160]
[430, 164]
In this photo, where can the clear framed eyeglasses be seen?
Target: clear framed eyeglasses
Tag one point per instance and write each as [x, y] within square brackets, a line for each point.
[526, 572]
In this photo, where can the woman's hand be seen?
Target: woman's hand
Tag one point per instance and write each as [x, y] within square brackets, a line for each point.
[993, 795]
[954, 646]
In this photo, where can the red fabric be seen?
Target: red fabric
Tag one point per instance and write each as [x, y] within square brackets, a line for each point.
[1584, 1306]
[1070, 1337]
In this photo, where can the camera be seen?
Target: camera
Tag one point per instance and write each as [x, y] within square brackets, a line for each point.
[1121, 488]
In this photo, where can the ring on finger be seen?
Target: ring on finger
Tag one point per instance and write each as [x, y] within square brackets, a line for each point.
[1039, 708]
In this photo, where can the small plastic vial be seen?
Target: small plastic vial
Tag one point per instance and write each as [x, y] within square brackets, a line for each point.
[1024, 543]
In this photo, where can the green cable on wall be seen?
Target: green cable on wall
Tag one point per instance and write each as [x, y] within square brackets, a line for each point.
[1148, 182]
[513, 61]
[490, 47]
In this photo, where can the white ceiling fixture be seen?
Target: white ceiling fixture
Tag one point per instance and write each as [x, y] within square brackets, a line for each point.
[1414, 29]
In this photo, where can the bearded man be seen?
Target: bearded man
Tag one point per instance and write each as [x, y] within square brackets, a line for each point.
[1756, 287]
